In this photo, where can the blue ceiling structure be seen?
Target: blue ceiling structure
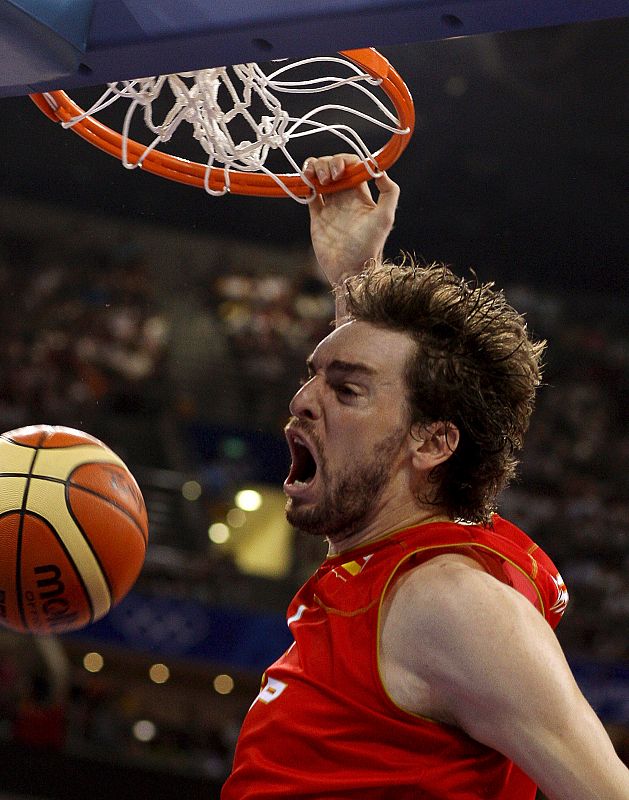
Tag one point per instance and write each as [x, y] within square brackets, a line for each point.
[62, 44]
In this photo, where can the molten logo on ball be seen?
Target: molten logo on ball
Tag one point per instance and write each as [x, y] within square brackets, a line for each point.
[55, 606]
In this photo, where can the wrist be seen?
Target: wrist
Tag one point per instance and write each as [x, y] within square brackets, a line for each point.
[338, 277]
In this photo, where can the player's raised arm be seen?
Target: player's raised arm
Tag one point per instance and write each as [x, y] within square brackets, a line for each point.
[348, 228]
[496, 670]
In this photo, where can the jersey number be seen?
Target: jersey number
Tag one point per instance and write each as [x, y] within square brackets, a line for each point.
[270, 691]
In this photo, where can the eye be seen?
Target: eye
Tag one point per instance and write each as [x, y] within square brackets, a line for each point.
[345, 391]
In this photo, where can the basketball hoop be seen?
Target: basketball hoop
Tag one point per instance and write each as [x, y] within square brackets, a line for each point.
[199, 100]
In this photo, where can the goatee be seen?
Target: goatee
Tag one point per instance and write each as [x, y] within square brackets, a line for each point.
[347, 501]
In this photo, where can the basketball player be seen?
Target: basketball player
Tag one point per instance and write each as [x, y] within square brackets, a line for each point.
[424, 663]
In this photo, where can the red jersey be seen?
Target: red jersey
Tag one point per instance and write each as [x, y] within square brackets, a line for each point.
[324, 728]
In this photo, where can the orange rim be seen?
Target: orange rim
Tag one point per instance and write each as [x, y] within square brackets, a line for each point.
[58, 107]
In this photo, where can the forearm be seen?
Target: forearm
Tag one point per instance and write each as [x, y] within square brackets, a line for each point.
[340, 300]
[339, 287]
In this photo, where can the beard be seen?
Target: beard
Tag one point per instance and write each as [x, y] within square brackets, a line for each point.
[350, 497]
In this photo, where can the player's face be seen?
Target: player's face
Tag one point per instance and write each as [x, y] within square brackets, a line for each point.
[348, 433]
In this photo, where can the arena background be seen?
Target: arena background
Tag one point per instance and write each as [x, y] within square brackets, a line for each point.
[174, 326]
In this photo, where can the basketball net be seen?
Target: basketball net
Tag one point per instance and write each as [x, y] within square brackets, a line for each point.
[211, 100]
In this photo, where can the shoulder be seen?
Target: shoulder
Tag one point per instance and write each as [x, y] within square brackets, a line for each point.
[462, 632]
[485, 660]
[450, 587]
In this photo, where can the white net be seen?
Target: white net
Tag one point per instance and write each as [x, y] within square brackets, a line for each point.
[220, 103]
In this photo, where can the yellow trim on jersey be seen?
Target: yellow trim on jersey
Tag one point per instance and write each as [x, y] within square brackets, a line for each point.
[339, 613]
[384, 591]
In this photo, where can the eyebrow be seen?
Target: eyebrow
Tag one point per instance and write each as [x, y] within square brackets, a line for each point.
[344, 367]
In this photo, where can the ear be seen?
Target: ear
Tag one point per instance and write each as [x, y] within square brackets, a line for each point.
[432, 443]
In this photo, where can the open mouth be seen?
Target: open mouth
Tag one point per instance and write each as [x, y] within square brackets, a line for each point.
[303, 464]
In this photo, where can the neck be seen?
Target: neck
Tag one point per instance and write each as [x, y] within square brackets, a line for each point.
[376, 530]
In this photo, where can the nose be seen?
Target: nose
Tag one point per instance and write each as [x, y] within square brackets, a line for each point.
[305, 403]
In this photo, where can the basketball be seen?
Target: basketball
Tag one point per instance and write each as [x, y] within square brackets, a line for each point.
[73, 529]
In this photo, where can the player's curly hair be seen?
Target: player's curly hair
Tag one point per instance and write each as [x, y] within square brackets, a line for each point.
[474, 366]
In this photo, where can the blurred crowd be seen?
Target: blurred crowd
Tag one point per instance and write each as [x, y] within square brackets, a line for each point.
[572, 495]
[91, 340]
[82, 338]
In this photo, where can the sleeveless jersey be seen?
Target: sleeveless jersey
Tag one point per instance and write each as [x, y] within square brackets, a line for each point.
[324, 728]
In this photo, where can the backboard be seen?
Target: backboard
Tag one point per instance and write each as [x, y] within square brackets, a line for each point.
[64, 44]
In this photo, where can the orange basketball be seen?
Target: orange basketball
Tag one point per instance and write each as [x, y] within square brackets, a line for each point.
[73, 529]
